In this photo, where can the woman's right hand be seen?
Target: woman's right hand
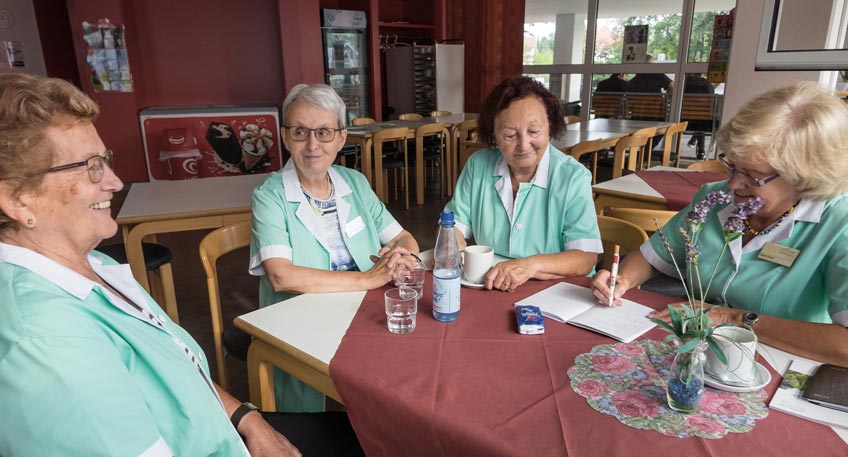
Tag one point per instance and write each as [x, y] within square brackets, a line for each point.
[601, 287]
[380, 274]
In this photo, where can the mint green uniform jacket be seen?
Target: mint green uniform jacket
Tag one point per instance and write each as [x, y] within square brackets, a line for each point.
[813, 289]
[553, 213]
[84, 373]
[285, 226]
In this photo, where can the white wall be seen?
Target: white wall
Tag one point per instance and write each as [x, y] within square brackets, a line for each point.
[742, 81]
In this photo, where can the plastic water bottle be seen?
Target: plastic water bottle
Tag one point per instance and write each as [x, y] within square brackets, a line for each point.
[446, 271]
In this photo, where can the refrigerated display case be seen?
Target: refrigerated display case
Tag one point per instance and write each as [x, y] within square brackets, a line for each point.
[345, 58]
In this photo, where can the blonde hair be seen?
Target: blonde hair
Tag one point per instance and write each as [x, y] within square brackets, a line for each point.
[29, 105]
[800, 131]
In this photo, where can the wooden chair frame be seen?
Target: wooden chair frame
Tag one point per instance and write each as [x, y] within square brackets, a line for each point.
[591, 147]
[708, 165]
[399, 134]
[441, 132]
[621, 233]
[643, 217]
[410, 117]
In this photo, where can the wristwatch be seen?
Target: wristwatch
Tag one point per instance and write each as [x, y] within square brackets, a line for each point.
[750, 319]
[241, 411]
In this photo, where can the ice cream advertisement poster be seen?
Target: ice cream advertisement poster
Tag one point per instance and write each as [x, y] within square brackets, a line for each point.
[181, 144]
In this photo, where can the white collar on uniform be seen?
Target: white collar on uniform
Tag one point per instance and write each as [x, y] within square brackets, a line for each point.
[118, 276]
[292, 183]
[504, 185]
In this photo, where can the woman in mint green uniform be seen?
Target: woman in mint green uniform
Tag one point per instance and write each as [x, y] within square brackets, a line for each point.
[786, 275]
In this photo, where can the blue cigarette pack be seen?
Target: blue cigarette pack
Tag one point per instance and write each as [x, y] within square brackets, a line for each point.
[529, 319]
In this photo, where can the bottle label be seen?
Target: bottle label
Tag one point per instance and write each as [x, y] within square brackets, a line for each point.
[446, 295]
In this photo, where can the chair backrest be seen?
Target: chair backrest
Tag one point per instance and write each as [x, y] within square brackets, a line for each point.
[672, 144]
[646, 219]
[708, 165]
[698, 107]
[607, 104]
[440, 113]
[572, 119]
[362, 121]
[436, 128]
[631, 146]
[647, 106]
[618, 232]
[410, 117]
[591, 147]
[213, 246]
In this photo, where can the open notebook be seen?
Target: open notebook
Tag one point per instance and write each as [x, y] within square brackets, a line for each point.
[576, 305]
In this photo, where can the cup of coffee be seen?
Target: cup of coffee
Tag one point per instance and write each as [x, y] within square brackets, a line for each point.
[477, 261]
[740, 348]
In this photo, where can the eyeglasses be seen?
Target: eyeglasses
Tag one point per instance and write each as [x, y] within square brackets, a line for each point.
[322, 134]
[745, 177]
[94, 165]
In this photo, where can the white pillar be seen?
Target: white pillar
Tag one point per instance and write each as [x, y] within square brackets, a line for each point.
[568, 49]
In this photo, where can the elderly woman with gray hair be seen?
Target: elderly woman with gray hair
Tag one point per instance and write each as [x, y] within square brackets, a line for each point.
[786, 275]
[316, 227]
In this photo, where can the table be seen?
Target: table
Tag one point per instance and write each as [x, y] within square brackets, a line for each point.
[602, 129]
[630, 191]
[473, 418]
[176, 206]
[363, 136]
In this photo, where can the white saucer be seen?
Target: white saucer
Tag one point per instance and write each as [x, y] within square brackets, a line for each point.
[471, 285]
[763, 376]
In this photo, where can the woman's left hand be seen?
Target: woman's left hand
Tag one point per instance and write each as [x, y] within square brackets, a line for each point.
[510, 274]
[262, 440]
[396, 255]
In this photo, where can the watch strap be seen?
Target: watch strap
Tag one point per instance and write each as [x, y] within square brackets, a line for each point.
[240, 412]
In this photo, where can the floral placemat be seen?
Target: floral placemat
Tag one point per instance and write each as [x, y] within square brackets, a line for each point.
[628, 381]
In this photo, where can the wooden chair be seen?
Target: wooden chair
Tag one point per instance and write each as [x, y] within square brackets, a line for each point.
[591, 147]
[616, 232]
[572, 119]
[646, 219]
[671, 145]
[650, 133]
[434, 150]
[606, 105]
[708, 165]
[440, 113]
[160, 275]
[383, 164]
[410, 117]
[362, 121]
[214, 245]
[647, 106]
[466, 138]
[629, 148]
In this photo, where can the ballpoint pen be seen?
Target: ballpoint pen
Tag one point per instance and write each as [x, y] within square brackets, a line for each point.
[613, 275]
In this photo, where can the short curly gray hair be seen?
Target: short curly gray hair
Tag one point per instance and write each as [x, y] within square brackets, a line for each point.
[799, 130]
[320, 95]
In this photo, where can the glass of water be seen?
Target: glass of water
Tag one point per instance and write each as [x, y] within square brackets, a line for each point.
[411, 276]
[401, 309]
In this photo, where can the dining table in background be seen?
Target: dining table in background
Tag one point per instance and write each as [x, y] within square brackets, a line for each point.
[475, 386]
[630, 191]
[156, 207]
[363, 136]
[602, 129]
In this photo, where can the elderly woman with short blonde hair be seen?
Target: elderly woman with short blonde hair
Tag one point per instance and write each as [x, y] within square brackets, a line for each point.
[788, 147]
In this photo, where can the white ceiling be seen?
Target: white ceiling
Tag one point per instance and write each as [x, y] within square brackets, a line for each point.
[546, 10]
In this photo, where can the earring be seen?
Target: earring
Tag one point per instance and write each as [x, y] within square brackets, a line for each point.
[29, 222]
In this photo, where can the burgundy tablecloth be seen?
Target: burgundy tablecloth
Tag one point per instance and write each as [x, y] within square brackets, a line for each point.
[678, 187]
[475, 387]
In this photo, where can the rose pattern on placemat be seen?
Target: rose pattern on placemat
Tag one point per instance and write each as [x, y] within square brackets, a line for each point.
[628, 382]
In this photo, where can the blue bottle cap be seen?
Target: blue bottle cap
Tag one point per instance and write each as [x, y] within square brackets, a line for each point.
[446, 217]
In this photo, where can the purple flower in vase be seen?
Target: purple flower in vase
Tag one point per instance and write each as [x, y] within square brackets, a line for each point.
[692, 252]
[735, 224]
[745, 209]
[699, 212]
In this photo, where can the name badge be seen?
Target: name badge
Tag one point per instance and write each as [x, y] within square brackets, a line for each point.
[781, 255]
[355, 226]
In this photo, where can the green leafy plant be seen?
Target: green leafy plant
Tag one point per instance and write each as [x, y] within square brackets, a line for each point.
[690, 322]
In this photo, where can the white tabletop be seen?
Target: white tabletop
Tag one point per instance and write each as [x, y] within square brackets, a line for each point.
[312, 323]
[157, 198]
[633, 184]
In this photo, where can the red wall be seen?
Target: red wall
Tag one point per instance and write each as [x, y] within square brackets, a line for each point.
[198, 52]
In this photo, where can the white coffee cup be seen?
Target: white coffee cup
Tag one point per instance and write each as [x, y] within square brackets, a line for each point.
[477, 261]
[740, 347]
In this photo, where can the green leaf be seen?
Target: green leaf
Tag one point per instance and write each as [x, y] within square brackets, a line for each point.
[691, 344]
[663, 325]
[676, 320]
[717, 350]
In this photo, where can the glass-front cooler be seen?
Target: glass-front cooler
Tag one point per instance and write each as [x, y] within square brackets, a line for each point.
[345, 59]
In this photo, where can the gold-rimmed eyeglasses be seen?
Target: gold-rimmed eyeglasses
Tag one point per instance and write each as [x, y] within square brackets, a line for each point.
[95, 165]
[745, 177]
[322, 134]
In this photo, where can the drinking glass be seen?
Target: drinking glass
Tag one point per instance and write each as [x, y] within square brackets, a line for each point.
[412, 277]
[401, 309]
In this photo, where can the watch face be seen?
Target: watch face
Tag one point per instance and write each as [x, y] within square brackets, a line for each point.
[750, 318]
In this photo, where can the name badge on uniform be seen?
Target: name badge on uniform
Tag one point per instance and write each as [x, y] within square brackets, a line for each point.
[355, 226]
[781, 255]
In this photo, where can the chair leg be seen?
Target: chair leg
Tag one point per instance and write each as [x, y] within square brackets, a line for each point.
[167, 278]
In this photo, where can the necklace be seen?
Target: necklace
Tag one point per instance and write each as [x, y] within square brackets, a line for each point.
[315, 203]
[771, 227]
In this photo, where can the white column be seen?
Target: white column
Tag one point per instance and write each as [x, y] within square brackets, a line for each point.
[568, 49]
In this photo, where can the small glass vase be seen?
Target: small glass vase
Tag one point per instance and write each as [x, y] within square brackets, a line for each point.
[686, 379]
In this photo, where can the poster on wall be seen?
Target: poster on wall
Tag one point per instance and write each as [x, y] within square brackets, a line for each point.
[204, 142]
[107, 56]
[720, 48]
[635, 44]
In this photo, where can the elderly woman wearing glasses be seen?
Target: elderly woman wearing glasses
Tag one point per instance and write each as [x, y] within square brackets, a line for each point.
[786, 275]
[89, 363]
[316, 227]
[523, 197]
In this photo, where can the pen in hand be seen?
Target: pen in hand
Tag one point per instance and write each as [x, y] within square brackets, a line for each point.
[613, 275]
